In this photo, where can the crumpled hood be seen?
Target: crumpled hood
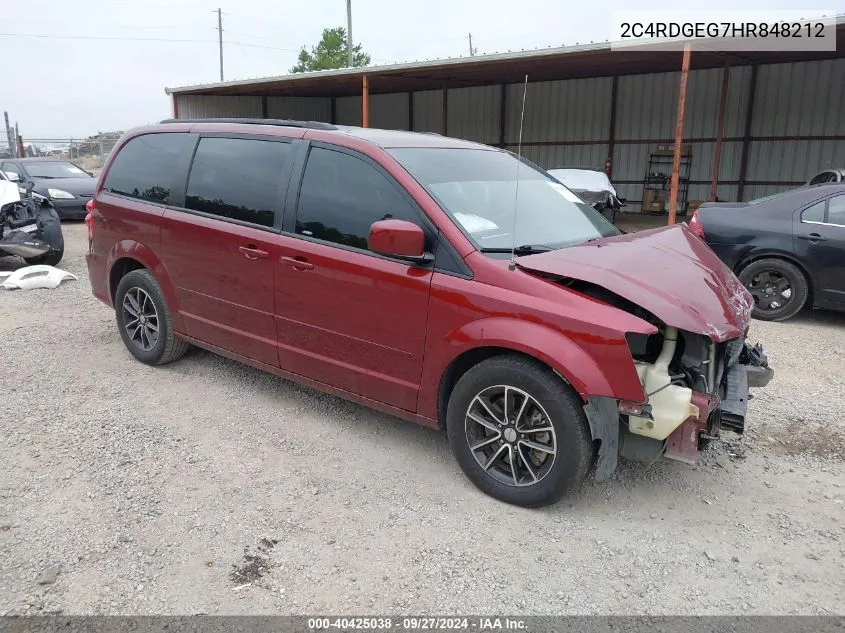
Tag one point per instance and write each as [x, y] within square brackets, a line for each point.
[667, 271]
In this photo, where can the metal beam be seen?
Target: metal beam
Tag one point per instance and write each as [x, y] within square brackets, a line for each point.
[720, 132]
[410, 111]
[743, 161]
[444, 126]
[679, 136]
[611, 134]
[264, 108]
[365, 102]
[333, 110]
[503, 115]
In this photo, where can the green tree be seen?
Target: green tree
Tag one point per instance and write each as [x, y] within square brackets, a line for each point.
[330, 52]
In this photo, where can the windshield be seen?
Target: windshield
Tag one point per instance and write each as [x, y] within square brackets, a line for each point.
[478, 189]
[583, 179]
[57, 169]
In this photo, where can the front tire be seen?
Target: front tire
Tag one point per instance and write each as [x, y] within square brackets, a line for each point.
[779, 288]
[143, 320]
[518, 431]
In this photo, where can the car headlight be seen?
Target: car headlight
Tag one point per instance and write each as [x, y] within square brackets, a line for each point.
[59, 194]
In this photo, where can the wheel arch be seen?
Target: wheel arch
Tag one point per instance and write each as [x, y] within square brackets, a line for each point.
[756, 256]
[128, 255]
[552, 349]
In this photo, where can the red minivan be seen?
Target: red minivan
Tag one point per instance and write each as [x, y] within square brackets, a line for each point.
[446, 282]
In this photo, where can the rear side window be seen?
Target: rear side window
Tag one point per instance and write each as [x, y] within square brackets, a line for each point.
[146, 167]
[341, 196]
[836, 210]
[825, 176]
[814, 213]
[237, 178]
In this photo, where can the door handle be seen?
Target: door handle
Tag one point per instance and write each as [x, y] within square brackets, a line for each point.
[297, 263]
[813, 237]
[251, 252]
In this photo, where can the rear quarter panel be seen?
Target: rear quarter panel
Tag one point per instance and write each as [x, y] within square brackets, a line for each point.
[739, 234]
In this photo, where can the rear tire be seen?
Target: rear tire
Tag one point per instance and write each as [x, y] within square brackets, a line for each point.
[549, 442]
[767, 280]
[143, 320]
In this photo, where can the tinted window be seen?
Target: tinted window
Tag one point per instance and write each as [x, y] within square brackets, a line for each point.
[146, 167]
[341, 196]
[836, 210]
[814, 213]
[238, 178]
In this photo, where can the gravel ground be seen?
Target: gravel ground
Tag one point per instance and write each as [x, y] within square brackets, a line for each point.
[209, 487]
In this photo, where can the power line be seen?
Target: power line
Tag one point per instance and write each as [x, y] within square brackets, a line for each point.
[140, 39]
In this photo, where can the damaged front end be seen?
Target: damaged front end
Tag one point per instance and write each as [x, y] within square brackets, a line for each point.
[29, 228]
[695, 388]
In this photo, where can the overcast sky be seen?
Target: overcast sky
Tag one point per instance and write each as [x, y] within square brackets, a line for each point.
[66, 84]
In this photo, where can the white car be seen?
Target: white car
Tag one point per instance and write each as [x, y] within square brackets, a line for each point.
[827, 176]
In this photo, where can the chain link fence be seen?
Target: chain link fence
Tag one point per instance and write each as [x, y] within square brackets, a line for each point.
[88, 153]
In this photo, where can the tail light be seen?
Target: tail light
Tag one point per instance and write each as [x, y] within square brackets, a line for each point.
[695, 225]
[89, 220]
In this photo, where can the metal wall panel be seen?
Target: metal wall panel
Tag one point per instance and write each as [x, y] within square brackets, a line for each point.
[473, 113]
[758, 191]
[646, 106]
[299, 108]
[800, 99]
[348, 111]
[389, 111]
[428, 111]
[572, 110]
[792, 160]
[213, 106]
[557, 156]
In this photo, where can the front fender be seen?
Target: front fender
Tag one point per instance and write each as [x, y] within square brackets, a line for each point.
[130, 249]
[592, 365]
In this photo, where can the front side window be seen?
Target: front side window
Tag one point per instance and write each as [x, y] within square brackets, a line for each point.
[237, 178]
[145, 168]
[497, 209]
[341, 196]
[813, 213]
[836, 210]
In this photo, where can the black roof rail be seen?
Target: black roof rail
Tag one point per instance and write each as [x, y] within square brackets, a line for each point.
[315, 125]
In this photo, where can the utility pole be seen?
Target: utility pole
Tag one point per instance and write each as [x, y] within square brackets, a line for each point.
[220, 39]
[349, 53]
[471, 49]
[11, 143]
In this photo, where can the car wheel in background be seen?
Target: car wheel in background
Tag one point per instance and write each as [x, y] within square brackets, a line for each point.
[779, 288]
[143, 320]
[518, 431]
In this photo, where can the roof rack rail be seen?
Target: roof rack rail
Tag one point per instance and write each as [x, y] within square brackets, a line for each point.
[316, 125]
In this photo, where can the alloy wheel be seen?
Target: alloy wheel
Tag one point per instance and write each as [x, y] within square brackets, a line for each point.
[510, 435]
[140, 319]
[772, 290]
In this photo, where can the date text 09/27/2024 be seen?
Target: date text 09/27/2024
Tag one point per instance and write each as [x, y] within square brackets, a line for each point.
[420, 623]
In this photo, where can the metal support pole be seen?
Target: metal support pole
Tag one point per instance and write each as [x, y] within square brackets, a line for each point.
[444, 125]
[349, 53]
[720, 132]
[503, 116]
[365, 102]
[611, 134]
[9, 140]
[220, 39]
[679, 137]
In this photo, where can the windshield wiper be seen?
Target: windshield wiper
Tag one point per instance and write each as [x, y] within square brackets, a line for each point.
[525, 249]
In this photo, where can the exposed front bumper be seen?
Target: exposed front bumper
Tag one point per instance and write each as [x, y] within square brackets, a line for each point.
[71, 209]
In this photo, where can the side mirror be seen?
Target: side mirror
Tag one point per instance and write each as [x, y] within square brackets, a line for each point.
[12, 176]
[399, 238]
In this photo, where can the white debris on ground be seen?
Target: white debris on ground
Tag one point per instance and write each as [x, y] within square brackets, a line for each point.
[32, 277]
[209, 487]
